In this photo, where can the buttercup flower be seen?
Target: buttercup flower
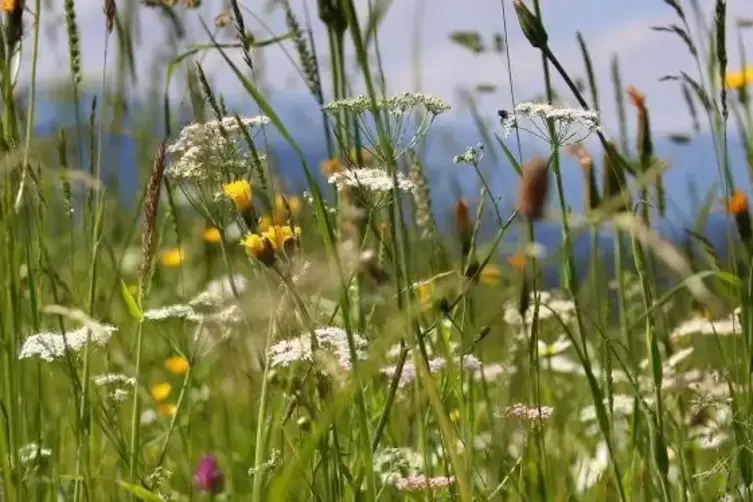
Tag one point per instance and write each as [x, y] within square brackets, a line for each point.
[212, 235]
[239, 192]
[172, 257]
[177, 365]
[167, 410]
[161, 391]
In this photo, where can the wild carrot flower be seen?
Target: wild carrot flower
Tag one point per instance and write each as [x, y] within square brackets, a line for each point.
[331, 340]
[161, 391]
[212, 235]
[528, 414]
[571, 125]
[177, 365]
[738, 79]
[50, 346]
[202, 152]
[370, 178]
[239, 192]
[172, 257]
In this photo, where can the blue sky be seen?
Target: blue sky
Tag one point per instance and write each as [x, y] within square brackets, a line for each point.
[609, 26]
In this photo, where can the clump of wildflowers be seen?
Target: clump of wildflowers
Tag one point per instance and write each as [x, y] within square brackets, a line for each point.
[202, 150]
[422, 483]
[275, 241]
[528, 414]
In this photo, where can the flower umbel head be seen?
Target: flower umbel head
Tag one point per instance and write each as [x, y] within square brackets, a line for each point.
[208, 477]
[239, 192]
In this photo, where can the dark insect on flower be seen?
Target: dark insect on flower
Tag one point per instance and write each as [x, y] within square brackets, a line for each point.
[503, 114]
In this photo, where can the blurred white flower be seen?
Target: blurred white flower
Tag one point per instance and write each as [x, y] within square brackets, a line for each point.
[588, 471]
[702, 326]
[331, 339]
[377, 180]
[177, 311]
[51, 345]
[561, 344]
[32, 452]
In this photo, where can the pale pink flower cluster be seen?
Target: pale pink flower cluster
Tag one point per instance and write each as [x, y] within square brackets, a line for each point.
[422, 483]
[528, 414]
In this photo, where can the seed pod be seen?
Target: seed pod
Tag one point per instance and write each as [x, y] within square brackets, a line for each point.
[534, 187]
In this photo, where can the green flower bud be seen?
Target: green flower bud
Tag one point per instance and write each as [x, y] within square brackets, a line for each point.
[531, 25]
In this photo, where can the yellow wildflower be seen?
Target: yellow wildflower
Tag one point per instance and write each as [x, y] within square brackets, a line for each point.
[739, 78]
[264, 223]
[240, 193]
[172, 257]
[167, 410]
[161, 391]
[212, 235]
[490, 274]
[177, 365]
[425, 295]
[280, 235]
[455, 415]
[260, 247]
[9, 5]
[330, 166]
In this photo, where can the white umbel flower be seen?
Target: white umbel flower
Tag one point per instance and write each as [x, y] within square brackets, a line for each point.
[32, 452]
[50, 346]
[376, 180]
[330, 339]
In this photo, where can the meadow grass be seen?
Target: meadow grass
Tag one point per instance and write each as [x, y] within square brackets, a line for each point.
[220, 338]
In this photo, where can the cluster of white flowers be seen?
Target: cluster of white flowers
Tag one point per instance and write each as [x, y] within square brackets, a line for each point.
[493, 371]
[50, 346]
[549, 306]
[437, 364]
[701, 326]
[119, 386]
[588, 470]
[32, 452]
[377, 180]
[572, 125]
[200, 147]
[177, 311]
[108, 379]
[330, 339]
[526, 413]
[472, 155]
[401, 103]
[267, 466]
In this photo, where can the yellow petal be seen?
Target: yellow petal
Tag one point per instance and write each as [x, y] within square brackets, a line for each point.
[161, 391]
[177, 365]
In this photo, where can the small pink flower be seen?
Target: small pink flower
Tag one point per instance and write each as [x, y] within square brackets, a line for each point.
[421, 483]
[208, 477]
